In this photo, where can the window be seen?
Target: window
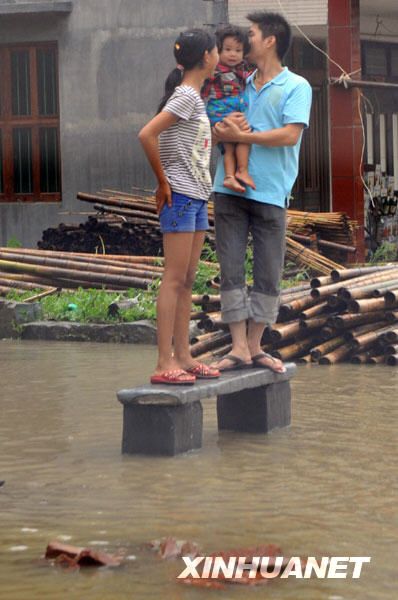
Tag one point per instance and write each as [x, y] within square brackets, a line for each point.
[29, 124]
[380, 61]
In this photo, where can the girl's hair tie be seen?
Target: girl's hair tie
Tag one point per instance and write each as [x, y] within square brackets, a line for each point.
[177, 46]
[180, 67]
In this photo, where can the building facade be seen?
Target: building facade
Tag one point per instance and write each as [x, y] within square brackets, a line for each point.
[80, 77]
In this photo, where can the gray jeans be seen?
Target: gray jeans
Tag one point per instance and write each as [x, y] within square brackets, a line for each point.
[235, 217]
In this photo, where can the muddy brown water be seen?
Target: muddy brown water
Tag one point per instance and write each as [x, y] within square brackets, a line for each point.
[326, 486]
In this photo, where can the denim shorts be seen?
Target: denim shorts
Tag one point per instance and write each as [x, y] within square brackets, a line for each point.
[186, 215]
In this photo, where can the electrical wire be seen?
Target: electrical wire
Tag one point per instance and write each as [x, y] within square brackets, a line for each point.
[343, 79]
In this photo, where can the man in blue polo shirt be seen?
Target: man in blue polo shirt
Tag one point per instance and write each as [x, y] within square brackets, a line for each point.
[279, 104]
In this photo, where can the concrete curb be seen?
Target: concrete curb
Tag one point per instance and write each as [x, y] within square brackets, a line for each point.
[139, 332]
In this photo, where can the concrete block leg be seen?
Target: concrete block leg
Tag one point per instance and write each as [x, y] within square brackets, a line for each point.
[162, 430]
[256, 410]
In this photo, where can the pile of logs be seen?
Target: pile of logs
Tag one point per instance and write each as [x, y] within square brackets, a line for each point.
[333, 233]
[128, 224]
[351, 315]
[109, 234]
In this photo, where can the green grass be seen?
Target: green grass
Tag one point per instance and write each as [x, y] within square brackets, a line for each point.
[91, 305]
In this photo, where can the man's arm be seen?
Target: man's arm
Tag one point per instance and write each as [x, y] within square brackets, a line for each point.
[288, 135]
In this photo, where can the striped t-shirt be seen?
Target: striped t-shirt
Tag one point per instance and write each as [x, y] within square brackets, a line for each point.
[185, 147]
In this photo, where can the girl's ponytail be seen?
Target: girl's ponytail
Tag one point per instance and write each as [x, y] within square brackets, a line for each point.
[173, 80]
[189, 49]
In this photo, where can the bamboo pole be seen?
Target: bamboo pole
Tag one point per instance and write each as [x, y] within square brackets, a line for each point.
[87, 276]
[336, 356]
[326, 347]
[367, 339]
[392, 349]
[210, 344]
[375, 360]
[392, 360]
[80, 266]
[363, 306]
[349, 320]
[293, 350]
[352, 334]
[392, 316]
[313, 311]
[391, 297]
[359, 359]
[44, 294]
[314, 323]
[340, 275]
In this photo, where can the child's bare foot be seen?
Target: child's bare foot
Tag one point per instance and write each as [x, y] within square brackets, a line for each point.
[233, 184]
[244, 177]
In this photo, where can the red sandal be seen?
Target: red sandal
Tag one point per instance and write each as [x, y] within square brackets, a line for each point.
[202, 371]
[174, 377]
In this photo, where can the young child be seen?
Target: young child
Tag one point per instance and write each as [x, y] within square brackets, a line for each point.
[177, 143]
[224, 93]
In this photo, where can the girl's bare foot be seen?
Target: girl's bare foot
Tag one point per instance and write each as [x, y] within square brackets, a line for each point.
[243, 177]
[233, 184]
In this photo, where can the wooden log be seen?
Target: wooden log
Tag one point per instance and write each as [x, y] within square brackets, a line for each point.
[21, 285]
[326, 290]
[351, 334]
[283, 332]
[314, 323]
[336, 356]
[293, 351]
[289, 309]
[76, 265]
[392, 349]
[359, 359]
[363, 306]
[375, 360]
[212, 343]
[340, 275]
[349, 320]
[303, 360]
[365, 340]
[326, 347]
[71, 274]
[391, 297]
[44, 294]
[390, 335]
[382, 288]
[309, 313]
[392, 360]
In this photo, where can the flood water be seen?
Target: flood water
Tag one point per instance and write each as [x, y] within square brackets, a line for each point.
[326, 486]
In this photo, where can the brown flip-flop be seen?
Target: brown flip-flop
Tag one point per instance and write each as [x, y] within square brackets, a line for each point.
[259, 365]
[237, 363]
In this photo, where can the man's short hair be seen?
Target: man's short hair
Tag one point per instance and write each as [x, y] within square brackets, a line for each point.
[234, 31]
[273, 24]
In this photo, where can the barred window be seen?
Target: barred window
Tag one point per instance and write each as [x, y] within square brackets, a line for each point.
[29, 123]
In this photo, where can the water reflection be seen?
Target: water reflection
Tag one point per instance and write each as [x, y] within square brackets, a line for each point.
[326, 486]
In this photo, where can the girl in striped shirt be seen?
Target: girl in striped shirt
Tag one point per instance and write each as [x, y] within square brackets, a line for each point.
[177, 143]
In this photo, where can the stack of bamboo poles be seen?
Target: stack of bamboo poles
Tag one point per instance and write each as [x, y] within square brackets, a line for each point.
[305, 257]
[22, 269]
[350, 315]
[138, 230]
[335, 226]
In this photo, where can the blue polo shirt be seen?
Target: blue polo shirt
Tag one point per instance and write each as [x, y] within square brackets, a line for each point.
[285, 99]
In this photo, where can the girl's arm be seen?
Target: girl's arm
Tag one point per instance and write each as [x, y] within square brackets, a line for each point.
[149, 138]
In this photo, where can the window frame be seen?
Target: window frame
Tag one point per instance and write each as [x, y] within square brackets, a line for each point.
[34, 121]
[387, 48]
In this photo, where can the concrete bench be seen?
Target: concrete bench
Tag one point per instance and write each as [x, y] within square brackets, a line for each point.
[167, 420]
